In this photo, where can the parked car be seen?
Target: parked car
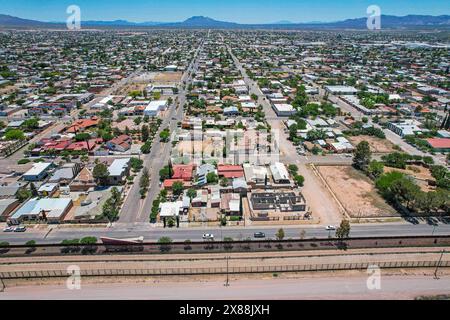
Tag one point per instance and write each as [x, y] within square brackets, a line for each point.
[20, 229]
[208, 236]
[259, 235]
[8, 229]
[330, 228]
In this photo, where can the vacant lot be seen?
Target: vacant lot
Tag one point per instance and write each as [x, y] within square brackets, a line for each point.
[356, 192]
[377, 145]
[164, 77]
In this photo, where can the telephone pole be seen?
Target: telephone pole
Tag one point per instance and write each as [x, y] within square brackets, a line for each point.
[438, 265]
[3, 286]
[227, 281]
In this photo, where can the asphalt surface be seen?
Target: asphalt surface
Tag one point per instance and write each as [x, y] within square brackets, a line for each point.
[136, 210]
[326, 287]
[151, 233]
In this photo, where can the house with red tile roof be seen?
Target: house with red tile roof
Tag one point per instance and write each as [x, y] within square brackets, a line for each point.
[168, 183]
[439, 144]
[230, 171]
[57, 145]
[84, 145]
[82, 124]
[121, 143]
[183, 172]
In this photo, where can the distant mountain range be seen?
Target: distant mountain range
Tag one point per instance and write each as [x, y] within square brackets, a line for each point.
[387, 22]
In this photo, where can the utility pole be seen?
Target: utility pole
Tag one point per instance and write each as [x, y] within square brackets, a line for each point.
[3, 286]
[227, 281]
[438, 265]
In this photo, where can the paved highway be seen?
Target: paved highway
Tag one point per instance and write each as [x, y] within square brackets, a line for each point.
[151, 233]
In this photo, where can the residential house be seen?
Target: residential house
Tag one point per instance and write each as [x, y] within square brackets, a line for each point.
[121, 143]
[118, 171]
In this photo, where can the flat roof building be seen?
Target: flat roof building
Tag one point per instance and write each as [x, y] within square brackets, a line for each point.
[52, 209]
[38, 172]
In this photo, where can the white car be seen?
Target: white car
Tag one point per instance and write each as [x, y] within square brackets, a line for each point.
[8, 229]
[208, 236]
[330, 228]
[20, 229]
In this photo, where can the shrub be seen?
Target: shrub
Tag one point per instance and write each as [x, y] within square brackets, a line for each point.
[23, 161]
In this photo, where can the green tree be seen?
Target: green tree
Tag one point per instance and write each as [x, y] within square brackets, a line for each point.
[165, 240]
[224, 182]
[343, 230]
[375, 169]
[164, 173]
[33, 190]
[88, 240]
[177, 188]
[31, 124]
[100, 173]
[23, 194]
[280, 234]
[404, 190]
[191, 193]
[164, 135]
[362, 156]
[84, 136]
[136, 164]
[144, 182]
[293, 169]
[14, 134]
[299, 180]
[145, 133]
[212, 177]
[171, 222]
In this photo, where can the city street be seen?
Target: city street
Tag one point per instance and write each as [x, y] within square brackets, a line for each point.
[151, 233]
[136, 210]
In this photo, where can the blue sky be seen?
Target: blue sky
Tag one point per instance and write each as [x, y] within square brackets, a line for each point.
[242, 11]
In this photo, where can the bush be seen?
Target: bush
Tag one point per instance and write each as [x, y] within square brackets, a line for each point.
[4, 244]
[23, 161]
[88, 240]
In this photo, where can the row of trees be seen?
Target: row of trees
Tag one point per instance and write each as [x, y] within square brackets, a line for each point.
[111, 207]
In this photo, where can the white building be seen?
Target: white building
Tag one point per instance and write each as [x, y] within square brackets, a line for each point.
[279, 173]
[341, 90]
[154, 107]
[283, 110]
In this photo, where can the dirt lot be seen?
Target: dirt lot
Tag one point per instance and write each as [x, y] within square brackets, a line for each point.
[164, 77]
[125, 90]
[356, 192]
[377, 145]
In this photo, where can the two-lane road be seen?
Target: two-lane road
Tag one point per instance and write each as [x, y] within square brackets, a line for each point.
[151, 233]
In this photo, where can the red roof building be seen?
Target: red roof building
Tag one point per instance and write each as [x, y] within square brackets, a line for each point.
[230, 171]
[121, 143]
[184, 172]
[168, 183]
[56, 145]
[84, 145]
[442, 144]
[81, 124]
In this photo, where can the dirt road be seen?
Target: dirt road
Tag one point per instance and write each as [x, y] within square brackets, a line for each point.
[327, 287]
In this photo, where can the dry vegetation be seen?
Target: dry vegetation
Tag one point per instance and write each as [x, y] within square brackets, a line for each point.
[356, 192]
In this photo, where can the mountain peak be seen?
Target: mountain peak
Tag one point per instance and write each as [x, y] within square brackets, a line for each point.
[202, 21]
